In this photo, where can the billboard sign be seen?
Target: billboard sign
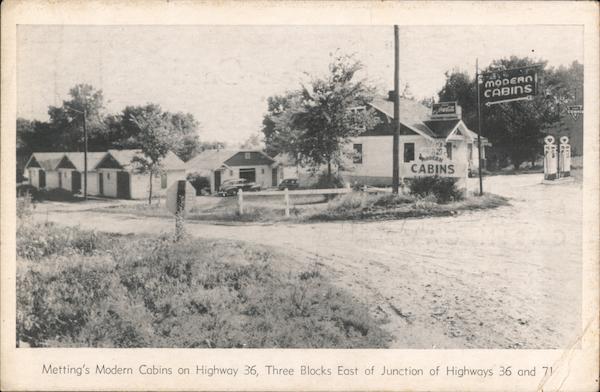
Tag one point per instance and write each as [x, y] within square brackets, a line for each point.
[508, 85]
[444, 109]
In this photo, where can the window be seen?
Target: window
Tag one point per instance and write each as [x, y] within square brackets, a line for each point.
[108, 176]
[163, 180]
[470, 149]
[247, 155]
[262, 171]
[409, 152]
[449, 150]
[357, 157]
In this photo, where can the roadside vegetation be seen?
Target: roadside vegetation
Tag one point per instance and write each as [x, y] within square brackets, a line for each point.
[79, 288]
[423, 197]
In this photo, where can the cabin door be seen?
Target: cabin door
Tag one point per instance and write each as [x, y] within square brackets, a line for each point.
[75, 181]
[41, 179]
[274, 176]
[217, 180]
[101, 184]
[123, 191]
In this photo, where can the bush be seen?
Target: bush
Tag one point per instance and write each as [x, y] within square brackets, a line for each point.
[326, 182]
[199, 182]
[442, 188]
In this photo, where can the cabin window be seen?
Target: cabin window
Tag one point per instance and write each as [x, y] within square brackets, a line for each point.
[262, 171]
[409, 152]
[449, 150]
[357, 157]
[163, 180]
[108, 176]
[470, 150]
[247, 155]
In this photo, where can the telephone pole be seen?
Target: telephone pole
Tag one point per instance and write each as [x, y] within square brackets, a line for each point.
[85, 150]
[396, 163]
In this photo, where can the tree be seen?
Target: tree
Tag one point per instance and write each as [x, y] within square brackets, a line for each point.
[253, 142]
[155, 138]
[315, 123]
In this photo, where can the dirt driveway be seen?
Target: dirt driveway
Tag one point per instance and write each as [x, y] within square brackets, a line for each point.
[504, 278]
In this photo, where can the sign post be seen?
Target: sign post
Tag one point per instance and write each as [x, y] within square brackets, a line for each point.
[180, 200]
[478, 128]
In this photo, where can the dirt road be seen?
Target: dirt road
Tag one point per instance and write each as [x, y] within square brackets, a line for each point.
[504, 278]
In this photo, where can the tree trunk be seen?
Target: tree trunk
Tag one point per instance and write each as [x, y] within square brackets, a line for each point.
[150, 190]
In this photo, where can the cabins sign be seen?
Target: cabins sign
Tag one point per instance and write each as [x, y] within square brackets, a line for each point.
[508, 85]
[433, 161]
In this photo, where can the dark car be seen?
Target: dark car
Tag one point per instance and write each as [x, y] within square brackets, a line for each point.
[289, 183]
[231, 187]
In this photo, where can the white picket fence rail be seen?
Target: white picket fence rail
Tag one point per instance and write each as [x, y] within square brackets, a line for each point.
[286, 193]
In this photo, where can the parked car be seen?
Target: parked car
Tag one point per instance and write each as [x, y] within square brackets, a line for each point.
[289, 183]
[231, 187]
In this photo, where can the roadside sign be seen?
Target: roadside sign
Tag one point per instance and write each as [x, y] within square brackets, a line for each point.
[181, 195]
[445, 109]
[508, 85]
[575, 111]
[433, 167]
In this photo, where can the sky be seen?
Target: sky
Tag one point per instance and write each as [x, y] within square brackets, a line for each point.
[223, 75]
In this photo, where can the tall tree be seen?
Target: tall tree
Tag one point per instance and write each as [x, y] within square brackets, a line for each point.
[316, 122]
[155, 138]
[253, 142]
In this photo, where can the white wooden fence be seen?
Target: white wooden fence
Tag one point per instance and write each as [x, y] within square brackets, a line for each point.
[287, 193]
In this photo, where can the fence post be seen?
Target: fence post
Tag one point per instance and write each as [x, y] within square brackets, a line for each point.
[241, 200]
[287, 203]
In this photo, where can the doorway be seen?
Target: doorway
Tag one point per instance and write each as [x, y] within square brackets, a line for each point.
[123, 191]
[41, 179]
[248, 174]
[217, 180]
[75, 181]
[101, 184]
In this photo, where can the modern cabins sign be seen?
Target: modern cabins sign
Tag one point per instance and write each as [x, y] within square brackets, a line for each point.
[508, 85]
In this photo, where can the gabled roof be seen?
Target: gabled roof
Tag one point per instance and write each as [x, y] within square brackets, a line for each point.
[46, 160]
[213, 159]
[124, 159]
[412, 115]
[442, 128]
[77, 159]
[208, 160]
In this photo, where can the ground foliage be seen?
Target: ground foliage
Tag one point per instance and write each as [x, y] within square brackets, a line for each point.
[79, 288]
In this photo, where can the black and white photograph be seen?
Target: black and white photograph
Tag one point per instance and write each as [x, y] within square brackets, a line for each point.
[300, 186]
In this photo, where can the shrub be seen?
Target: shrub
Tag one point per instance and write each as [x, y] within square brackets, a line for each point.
[199, 182]
[326, 182]
[443, 188]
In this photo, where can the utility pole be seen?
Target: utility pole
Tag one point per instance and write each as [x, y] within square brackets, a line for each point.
[85, 150]
[478, 127]
[396, 163]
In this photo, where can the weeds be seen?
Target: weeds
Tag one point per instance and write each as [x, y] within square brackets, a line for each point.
[78, 288]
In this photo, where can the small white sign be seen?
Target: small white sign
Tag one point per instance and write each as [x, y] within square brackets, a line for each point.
[433, 167]
[181, 192]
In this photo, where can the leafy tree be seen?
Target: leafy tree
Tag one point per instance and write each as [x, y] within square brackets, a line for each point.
[253, 142]
[316, 122]
[155, 138]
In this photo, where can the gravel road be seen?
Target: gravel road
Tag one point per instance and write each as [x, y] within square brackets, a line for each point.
[503, 278]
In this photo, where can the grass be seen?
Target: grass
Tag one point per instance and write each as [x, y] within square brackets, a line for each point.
[78, 288]
[357, 206]
[350, 206]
